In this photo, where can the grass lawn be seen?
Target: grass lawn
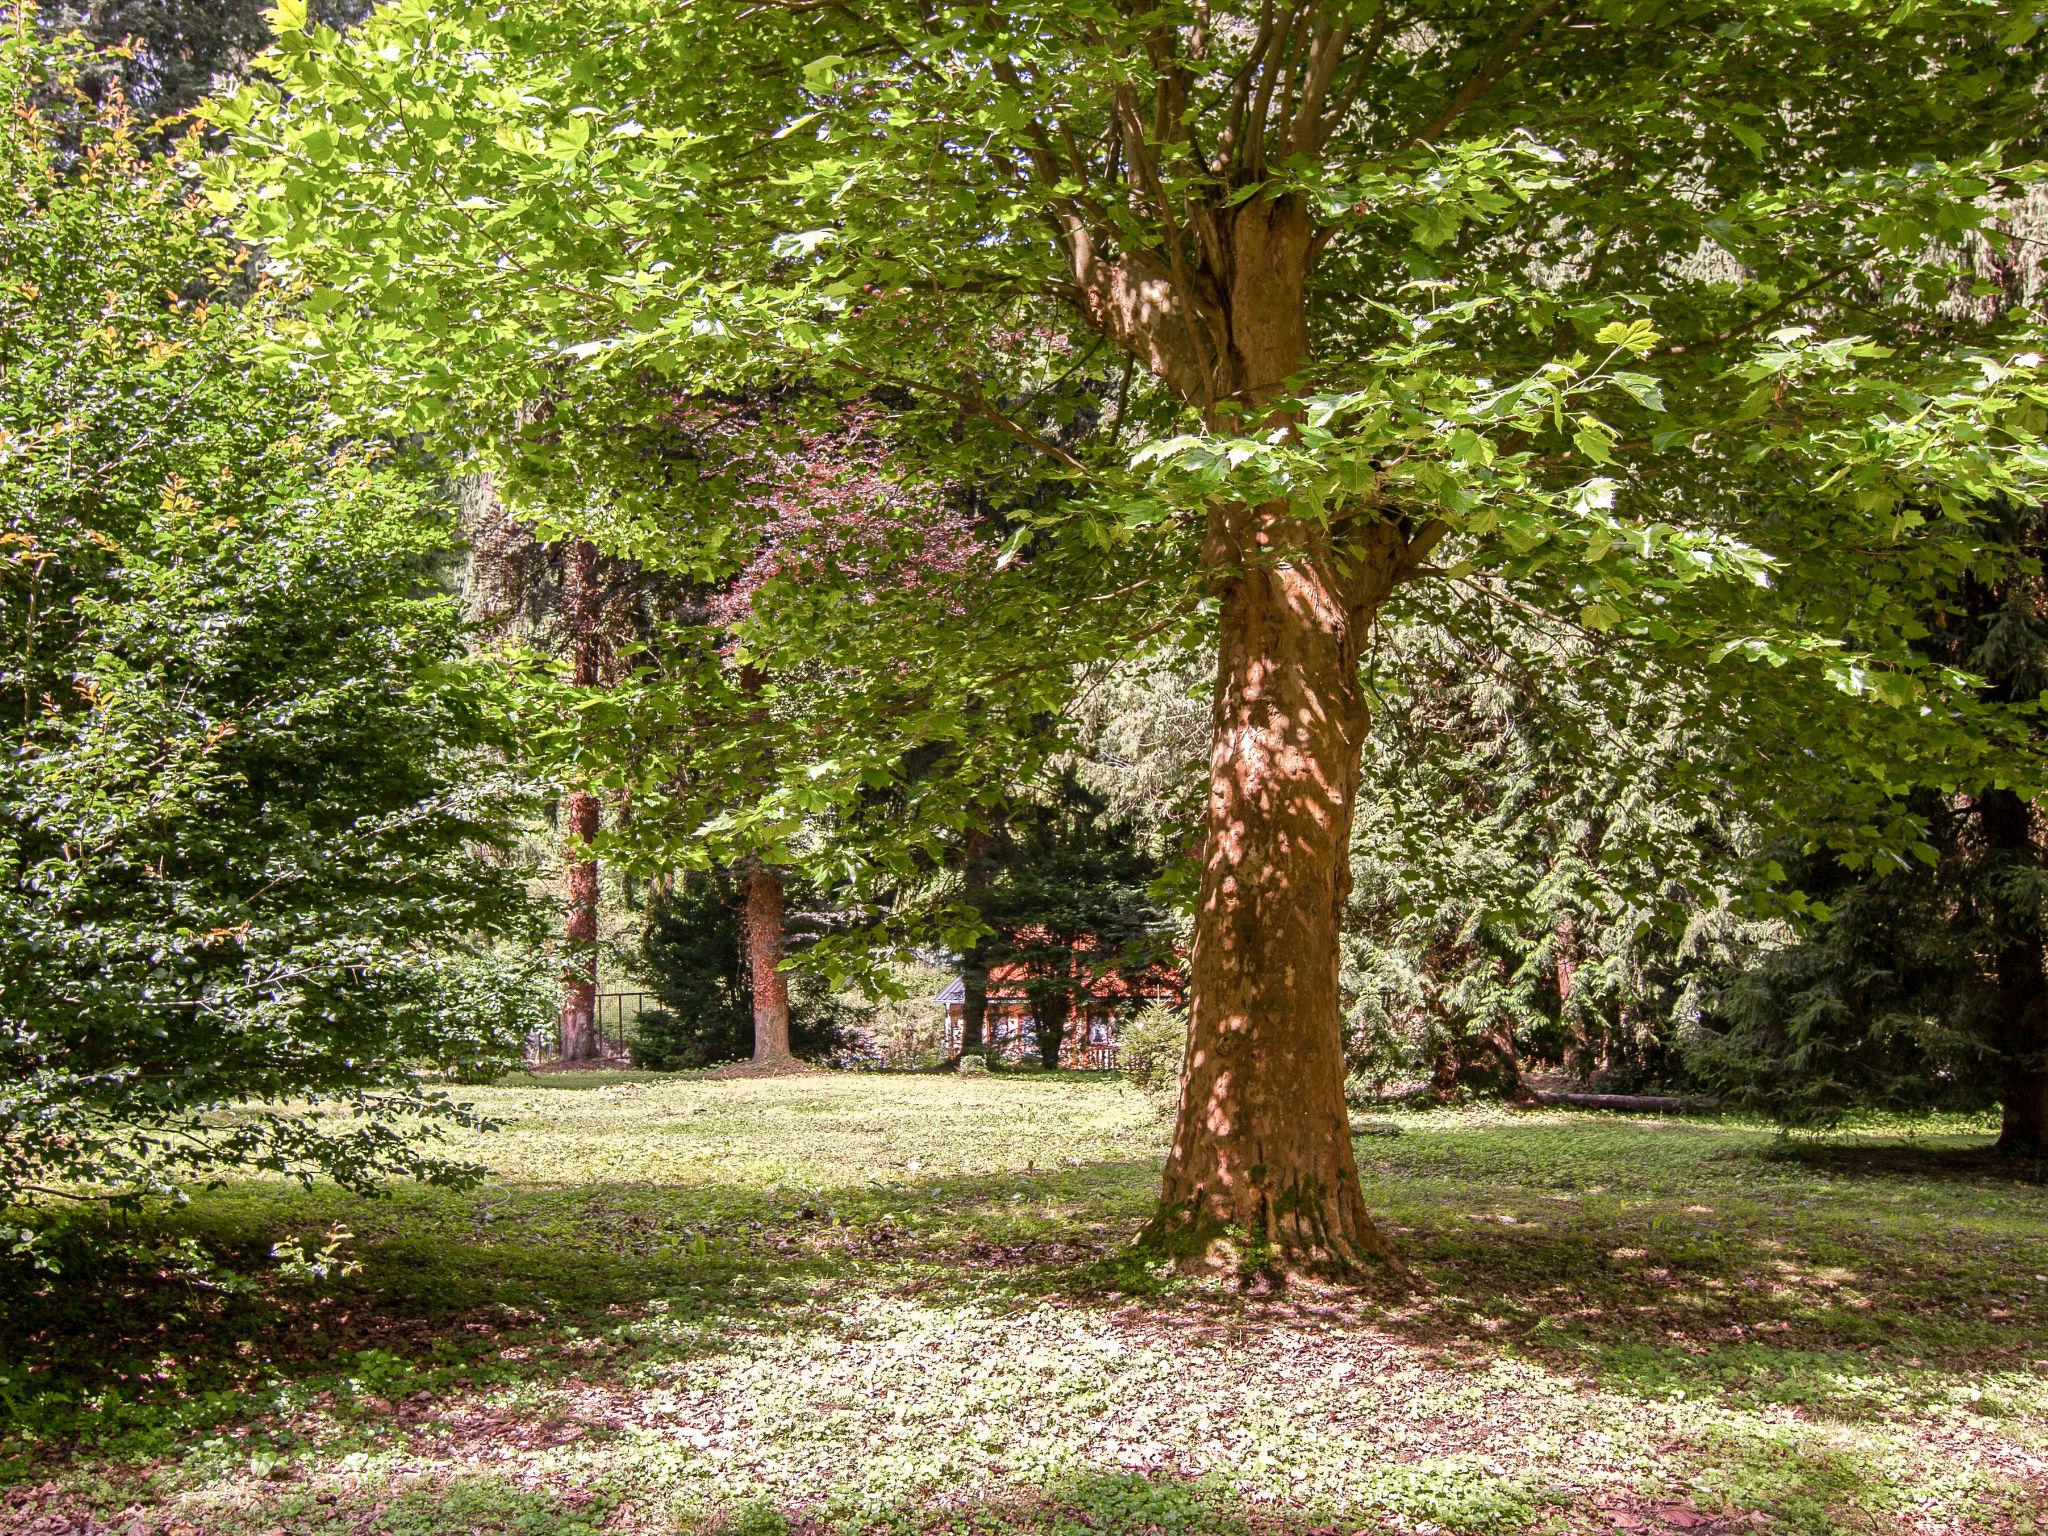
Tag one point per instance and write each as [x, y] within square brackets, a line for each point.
[905, 1304]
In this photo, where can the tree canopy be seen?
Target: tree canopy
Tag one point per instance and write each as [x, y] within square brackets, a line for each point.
[1646, 316]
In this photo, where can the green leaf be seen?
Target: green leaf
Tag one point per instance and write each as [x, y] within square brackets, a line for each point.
[1637, 337]
[1640, 387]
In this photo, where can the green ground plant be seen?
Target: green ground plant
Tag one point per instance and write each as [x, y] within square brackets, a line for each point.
[908, 1303]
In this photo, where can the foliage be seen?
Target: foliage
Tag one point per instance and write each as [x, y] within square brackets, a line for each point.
[711, 740]
[1637, 353]
[1924, 989]
[1142, 737]
[1152, 1048]
[246, 797]
[906, 1026]
[1881, 1007]
[164, 55]
[693, 954]
[1543, 869]
[1064, 890]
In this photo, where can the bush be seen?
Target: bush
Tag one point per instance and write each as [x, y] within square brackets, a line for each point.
[1154, 1045]
[663, 1043]
[247, 769]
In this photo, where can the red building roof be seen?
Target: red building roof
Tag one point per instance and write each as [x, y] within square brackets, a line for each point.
[1162, 983]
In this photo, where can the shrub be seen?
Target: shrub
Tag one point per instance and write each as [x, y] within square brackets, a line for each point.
[663, 1043]
[1153, 1047]
[247, 778]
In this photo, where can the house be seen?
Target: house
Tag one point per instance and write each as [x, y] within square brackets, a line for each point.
[1010, 1034]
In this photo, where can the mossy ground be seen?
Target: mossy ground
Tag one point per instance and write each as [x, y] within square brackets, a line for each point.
[909, 1304]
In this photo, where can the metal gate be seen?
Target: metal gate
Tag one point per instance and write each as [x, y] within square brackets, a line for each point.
[615, 1020]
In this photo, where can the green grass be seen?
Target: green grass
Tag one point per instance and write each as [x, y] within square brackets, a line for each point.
[908, 1304]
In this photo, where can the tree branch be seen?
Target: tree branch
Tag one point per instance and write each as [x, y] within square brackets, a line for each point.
[1491, 73]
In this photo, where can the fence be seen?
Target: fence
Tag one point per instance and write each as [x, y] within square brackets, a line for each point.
[615, 1021]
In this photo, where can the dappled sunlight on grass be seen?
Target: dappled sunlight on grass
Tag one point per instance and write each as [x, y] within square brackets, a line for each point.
[871, 1302]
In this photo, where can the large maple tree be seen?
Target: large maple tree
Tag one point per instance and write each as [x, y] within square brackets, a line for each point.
[1654, 312]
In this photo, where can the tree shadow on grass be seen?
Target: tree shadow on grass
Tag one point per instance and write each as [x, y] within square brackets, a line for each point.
[1456, 1496]
[130, 1355]
[1975, 1165]
[154, 1328]
[1737, 1277]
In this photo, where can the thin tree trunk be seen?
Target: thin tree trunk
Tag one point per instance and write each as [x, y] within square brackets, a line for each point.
[764, 957]
[2022, 981]
[1575, 1018]
[974, 1003]
[973, 968]
[579, 994]
[1049, 1018]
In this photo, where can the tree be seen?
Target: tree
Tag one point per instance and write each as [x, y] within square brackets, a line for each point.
[167, 54]
[698, 956]
[823, 520]
[1600, 300]
[1067, 897]
[601, 611]
[766, 949]
[1546, 862]
[251, 825]
[1924, 987]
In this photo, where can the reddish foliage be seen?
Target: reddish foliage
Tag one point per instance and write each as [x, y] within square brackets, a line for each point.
[834, 503]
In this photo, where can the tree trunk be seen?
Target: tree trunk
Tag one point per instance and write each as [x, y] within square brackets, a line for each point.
[764, 958]
[1261, 1173]
[974, 874]
[1574, 1018]
[974, 1005]
[1049, 1018]
[2023, 1127]
[1262, 1150]
[579, 995]
[2022, 980]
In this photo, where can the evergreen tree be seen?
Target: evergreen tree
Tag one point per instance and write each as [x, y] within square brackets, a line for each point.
[1546, 865]
[1924, 986]
[1066, 891]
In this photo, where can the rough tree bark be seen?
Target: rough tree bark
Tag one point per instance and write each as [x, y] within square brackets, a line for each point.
[1262, 1148]
[579, 993]
[2022, 982]
[1261, 1170]
[764, 959]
